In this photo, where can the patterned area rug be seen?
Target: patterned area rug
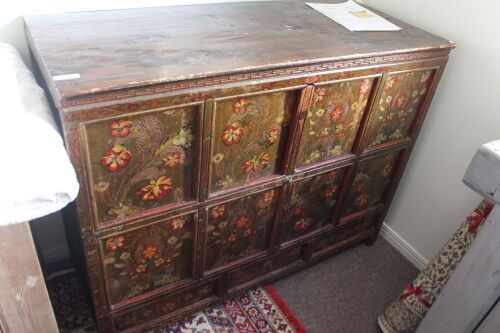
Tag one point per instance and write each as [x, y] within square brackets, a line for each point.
[260, 310]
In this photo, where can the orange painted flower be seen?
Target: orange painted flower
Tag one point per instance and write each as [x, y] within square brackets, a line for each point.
[258, 162]
[150, 252]
[247, 232]
[362, 200]
[231, 238]
[232, 134]
[401, 101]
[325, 132]
[218, 211]
[116, 158]
[337, 113]
[425, 76]
[386, 171]
[389, 84]
[177, 224]
[268, 196]
[141, 268]
[115, 243]
[364, 87]
[156, 189]
[272, 136]
[120, 127]
[172, 159]
[330, 192]
[241, 222]
[241, 105]
[159, 262]
[302, 225]
[320, 94]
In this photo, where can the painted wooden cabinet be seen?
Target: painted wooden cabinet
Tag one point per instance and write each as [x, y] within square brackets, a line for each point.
[218, 154]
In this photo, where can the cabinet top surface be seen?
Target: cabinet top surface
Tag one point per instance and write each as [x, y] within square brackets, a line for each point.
[126, 48]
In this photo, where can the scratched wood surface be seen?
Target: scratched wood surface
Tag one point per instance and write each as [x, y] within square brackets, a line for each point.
[24, 301]
[124, 48]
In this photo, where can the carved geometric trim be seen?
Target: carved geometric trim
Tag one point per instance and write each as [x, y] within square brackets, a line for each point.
[233, 78]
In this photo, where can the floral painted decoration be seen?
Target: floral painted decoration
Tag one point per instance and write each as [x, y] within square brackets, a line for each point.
[370, 182]
[153, 256]
[311, 204]
[332, 122]
[232, 134]
[249, 137]
[156, 189]
[239, 228]
[116, 158]
[398, 106]
[147, 161]
[120, 128]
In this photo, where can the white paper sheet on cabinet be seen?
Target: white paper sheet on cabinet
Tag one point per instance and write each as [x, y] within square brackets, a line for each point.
[354, 17]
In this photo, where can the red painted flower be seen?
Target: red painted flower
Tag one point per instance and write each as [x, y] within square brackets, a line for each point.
[364, 87]
[156, 189]
[337, 113]
[116, 158]
[389, 84]
[241, 222]
[150, 252]
[120, 127]
[302, 225]
[241, 105]
[115, 243]
[390, 157]
[425, 76]
[297, 211]
[232, 134]
[177, 224]
[172, 159]
[320, 94]
[401, 101]
[218, 211]
[272, 136]
[231, 238]
[258, 162]
[332, 175]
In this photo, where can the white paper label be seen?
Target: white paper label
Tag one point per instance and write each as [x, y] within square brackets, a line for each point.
[66, 77]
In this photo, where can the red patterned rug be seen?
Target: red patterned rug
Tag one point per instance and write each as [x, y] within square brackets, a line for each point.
[260, 310]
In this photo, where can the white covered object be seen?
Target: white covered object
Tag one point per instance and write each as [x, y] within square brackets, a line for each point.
[483, 173]
[36, 176]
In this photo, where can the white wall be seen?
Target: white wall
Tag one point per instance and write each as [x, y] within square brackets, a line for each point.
[431, 200]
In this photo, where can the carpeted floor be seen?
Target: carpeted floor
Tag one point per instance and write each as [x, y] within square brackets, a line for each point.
[344, 293]
[347, 292]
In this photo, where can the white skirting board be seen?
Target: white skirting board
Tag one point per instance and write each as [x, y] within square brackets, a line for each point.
[403, 247]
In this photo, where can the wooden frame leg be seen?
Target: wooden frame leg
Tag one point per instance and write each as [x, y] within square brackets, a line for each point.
[24, 302]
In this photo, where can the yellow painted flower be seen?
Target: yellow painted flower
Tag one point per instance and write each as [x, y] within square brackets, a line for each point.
[217, 158]
[320, 112]
[101, 187]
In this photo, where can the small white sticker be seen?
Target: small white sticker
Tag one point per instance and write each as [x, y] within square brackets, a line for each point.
[66, 77]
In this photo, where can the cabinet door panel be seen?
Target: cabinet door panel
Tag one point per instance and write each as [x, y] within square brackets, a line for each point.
[163, 306]
[370, 182]
[249, 137]
[142, 162]
[397, 106]
[311, 203]
[239, 228]
[333, 120]
[148, 258]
